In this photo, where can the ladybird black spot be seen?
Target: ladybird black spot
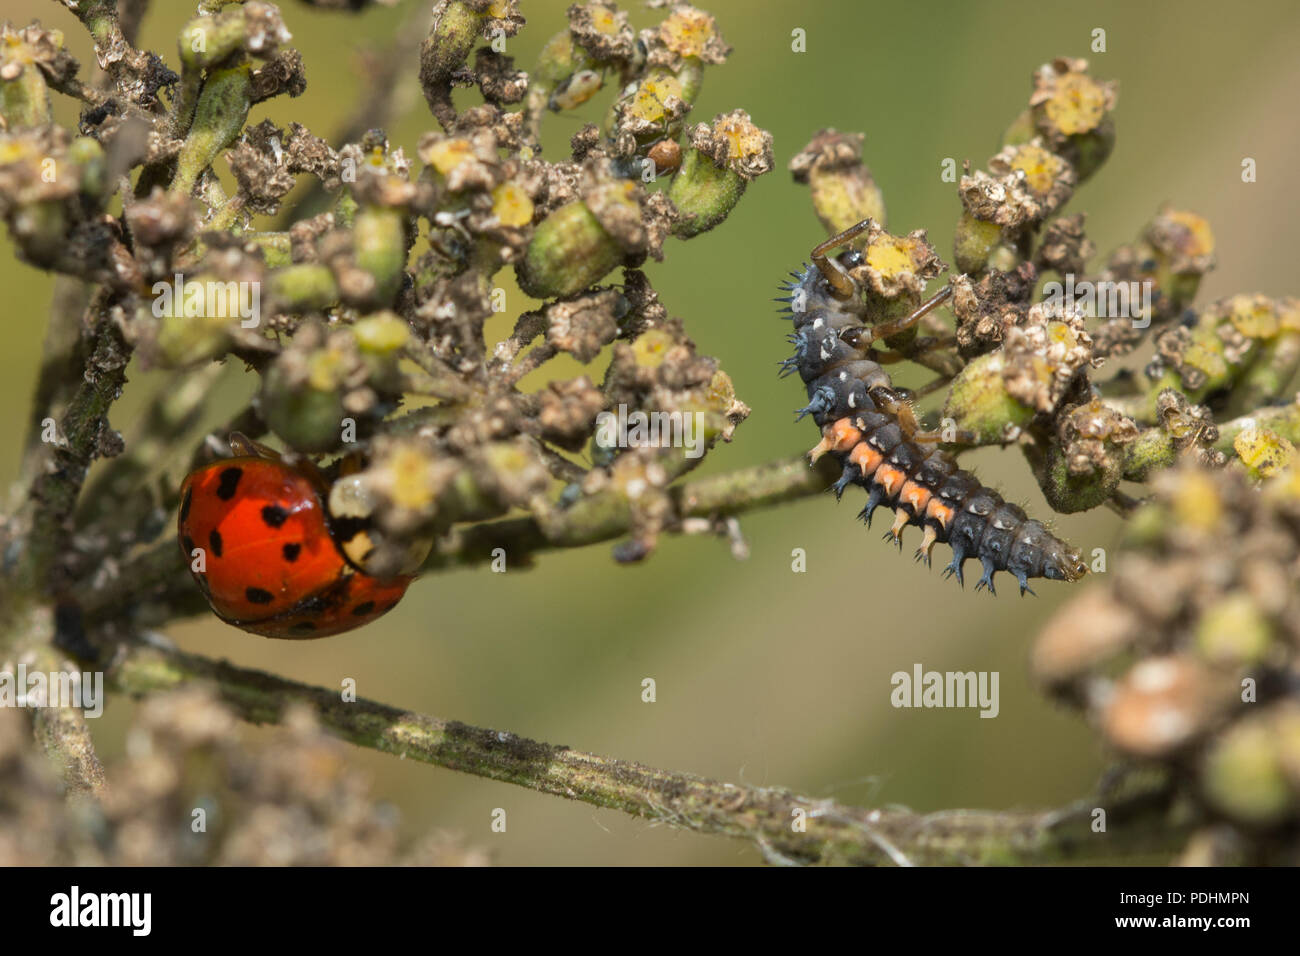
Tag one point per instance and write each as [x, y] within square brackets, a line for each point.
[258, 596]
[185, 505]
[214, 541]
[314, 605]
[274, 515]
[388, 607]
[229, 482]
[303, 627]
[291, 551]
[188, 544]
[364, 608]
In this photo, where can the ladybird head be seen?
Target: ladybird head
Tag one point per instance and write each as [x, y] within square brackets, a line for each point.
[353, 505]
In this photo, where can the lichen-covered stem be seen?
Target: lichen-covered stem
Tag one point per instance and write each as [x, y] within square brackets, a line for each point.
[54, 493]
[26, 633]
[831, 833]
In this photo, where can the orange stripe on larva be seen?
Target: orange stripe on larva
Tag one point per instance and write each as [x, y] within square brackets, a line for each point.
[939, 511]
[865, 457]
[915, 496]
[843, 435]
[890, 478]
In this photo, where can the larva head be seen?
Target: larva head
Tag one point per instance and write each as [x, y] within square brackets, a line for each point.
[1036, 553]
[1062, 562]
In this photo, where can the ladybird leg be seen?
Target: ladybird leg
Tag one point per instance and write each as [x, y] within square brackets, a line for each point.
[840, 281]
[1023, 578]
[886, 329]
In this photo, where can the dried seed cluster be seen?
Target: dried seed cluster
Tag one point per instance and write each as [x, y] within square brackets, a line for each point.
[190, 792]
[364, 305]
[1186, 655]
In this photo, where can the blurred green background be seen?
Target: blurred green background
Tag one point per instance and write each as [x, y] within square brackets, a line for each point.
[765, 676]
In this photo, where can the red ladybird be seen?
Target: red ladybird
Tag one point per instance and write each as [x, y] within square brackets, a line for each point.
[272, 557]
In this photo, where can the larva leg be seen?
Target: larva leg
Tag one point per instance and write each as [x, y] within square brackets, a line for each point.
[931, 386]
[887, 329]
[959, 437]
[927, 544]
[893, 401]
[840, 281]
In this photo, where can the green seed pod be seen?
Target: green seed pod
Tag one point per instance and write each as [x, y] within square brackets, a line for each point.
[1233, 631]
[186, 340]
[24, 96]
[1265, 453]
[691, 37]
[1073, 112]
[303, 287]
[1212, 354]
[218, 119]
[1068, 491]
[722, 158]
[382, 337]
[703, 193]
[193, 326]
[1244, 776]
[455, 29]
[205, 41]
[88, 156]
[560, 59]
[1175, 250]
[974, 243]
[570, 249]
[843, 190]
[380, 244]
[302, 396]
[1084, 467]
[1153, 450]
[978, 401]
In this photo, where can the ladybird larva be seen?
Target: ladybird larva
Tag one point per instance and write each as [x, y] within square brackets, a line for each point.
[869, 429]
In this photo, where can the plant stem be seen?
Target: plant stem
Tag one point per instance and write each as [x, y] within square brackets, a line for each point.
[786, 826]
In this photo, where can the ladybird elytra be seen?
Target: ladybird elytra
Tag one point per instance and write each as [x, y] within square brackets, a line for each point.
[258, 537]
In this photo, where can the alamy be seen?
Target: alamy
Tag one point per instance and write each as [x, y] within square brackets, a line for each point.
[1103, 299]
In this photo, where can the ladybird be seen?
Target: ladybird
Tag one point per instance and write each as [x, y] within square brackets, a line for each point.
[257, 534]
